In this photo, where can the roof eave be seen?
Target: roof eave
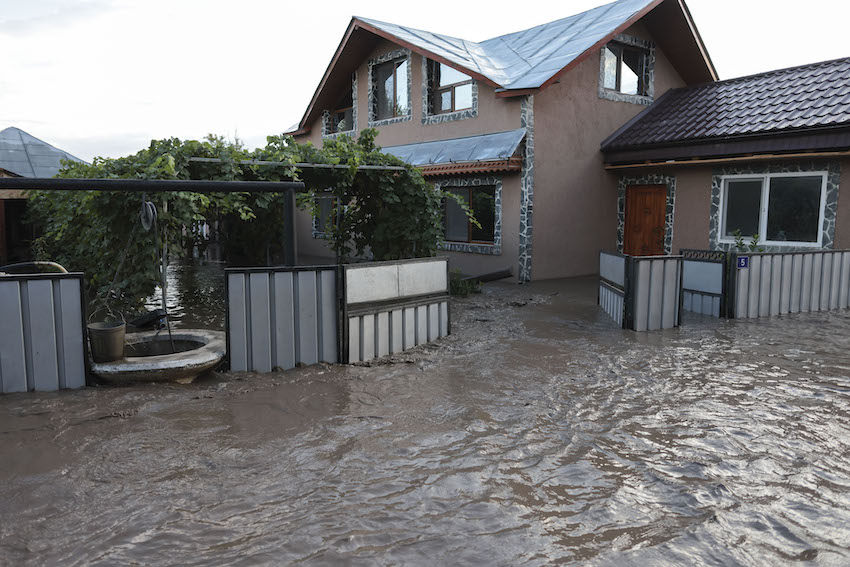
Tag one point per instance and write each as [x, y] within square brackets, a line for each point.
[834, 139]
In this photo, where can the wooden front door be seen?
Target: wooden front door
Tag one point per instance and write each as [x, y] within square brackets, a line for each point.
[646, 208]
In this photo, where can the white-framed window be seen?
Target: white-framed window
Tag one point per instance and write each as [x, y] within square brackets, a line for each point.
[783, 209]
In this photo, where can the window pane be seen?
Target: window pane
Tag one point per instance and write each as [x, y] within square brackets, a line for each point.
[384, 81]
[445, 101]
[342, 120]
[463, 97]
[483, 206]
[449, 76]
[456, 222]
[401, 90]
[631, 71]
[610, 54]
[793, 210]
[743, 207]
[326, 213]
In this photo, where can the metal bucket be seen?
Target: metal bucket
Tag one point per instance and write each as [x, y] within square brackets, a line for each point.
[107, 340]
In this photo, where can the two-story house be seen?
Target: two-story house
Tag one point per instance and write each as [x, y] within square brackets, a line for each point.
[515, 124]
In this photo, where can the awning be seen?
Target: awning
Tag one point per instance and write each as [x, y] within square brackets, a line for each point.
[488, 152]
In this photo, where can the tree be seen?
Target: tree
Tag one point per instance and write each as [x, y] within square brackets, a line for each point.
[390, 213]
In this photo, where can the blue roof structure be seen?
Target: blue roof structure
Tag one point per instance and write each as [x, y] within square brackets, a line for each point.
[27, 156]
[525, 59]
[488, 147]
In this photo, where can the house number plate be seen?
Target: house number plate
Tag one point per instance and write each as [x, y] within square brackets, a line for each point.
[743, 262]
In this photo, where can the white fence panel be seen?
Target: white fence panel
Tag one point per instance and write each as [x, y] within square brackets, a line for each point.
[394, 306]
[42, 338]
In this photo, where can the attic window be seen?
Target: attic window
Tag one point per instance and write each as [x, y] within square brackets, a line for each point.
[342, 117]
[391, 97]
[451, 90]
[627, 69]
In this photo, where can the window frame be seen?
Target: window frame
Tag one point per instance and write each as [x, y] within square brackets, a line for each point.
[643, 88]
[437, 90]
[320, 230]
[647, 47]
[395, 62]
[469, 225]
[765, 204]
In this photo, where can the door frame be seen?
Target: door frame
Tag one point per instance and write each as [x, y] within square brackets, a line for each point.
[625, 182]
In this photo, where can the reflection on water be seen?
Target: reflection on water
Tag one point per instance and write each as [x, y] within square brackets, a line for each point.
[194, 295]
[538, 433]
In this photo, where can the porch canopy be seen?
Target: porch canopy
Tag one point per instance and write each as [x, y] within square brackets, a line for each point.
[473, 154]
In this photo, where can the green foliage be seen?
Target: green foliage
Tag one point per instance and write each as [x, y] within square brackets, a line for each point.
[742, 246]
[460, 287]
[393, 214]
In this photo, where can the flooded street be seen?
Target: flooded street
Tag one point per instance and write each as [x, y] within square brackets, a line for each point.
[538, 433]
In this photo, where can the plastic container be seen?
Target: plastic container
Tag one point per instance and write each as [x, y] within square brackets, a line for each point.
[107, 340]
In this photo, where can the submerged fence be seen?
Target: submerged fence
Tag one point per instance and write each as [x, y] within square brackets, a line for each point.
[42, 332]
[704, 282]
[281, 317]
[768, 284]
[394, 306]
[641, 293]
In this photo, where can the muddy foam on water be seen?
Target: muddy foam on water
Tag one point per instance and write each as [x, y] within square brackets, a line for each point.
[538, 433]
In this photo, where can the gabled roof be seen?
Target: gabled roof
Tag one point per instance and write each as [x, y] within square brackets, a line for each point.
[27, 156]
[801, 100]
[528, 60]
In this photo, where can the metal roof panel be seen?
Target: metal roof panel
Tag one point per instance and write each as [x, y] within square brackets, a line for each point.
[487, 147]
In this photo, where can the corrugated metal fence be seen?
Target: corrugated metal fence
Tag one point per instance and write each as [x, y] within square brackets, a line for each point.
[42, 332]
[775, 284]
[281, 317]
[650, 296]
[612, 285]
[394, 306]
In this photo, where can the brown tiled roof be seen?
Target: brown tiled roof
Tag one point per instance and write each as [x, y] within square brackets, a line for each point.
[796, 100]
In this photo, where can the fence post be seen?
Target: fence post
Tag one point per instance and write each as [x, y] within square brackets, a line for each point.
[731, 283]
[629, 293]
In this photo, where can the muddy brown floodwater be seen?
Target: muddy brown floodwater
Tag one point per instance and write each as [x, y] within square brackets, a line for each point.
[538, 433]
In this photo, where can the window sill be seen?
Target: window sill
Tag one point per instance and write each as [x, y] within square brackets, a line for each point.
[388, 121]
[473, 248]
[774, 246]
[333, 135]
[617, 96]
[450, 116]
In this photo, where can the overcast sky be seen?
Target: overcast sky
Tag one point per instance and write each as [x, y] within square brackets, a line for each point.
[104, 77]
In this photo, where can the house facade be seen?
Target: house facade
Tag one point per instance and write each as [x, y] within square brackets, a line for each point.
[512, 124]
[515, 125]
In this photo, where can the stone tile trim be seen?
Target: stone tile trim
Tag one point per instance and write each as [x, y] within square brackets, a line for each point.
[494, 249]
[833, 179]
[428, 117]
[526, 202]
[326, 116]
[670, 182]
[373, 88]
[649, 72]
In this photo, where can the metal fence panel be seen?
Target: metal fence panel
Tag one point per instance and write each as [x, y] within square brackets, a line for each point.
[794, 282]
[394, 306]
[42, 338]
[281, 317]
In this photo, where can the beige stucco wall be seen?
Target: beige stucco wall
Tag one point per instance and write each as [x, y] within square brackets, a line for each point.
[575, 199]
[692, 207]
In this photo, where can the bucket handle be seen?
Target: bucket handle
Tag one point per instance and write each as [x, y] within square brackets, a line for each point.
[108, 311]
